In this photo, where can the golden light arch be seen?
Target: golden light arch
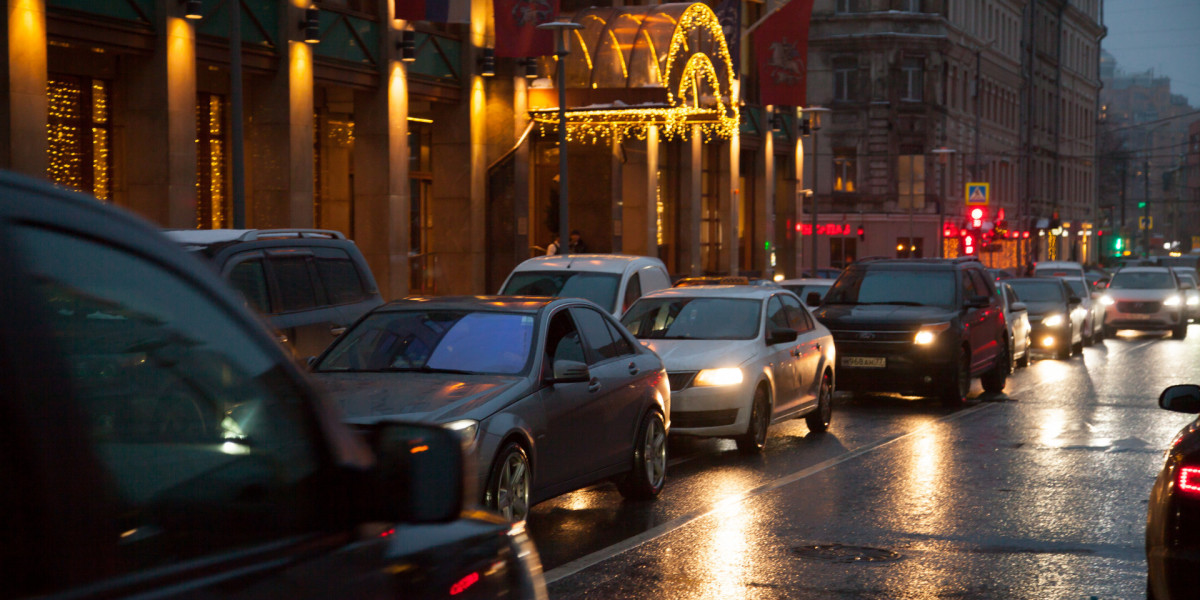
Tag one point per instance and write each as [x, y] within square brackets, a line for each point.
[634, 67]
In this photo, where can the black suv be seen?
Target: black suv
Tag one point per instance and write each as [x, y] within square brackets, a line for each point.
[156, 442]
[309, 283]
[920, 327]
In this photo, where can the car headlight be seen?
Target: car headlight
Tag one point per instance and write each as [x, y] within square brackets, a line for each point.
[1193, 301]
[715, 377]
[927, 334]
[466, 428]
[1172, 301]
[1107, 300]
[1053, 321]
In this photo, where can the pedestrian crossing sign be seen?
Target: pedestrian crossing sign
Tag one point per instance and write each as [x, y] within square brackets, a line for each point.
[977, 193]
[1145, 223]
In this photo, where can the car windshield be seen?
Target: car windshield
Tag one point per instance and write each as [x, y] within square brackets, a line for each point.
[1142, 280]
[804, 290]
[1038, 291]
[600, 288]
[693, 318]
[890, 286]
[449, 341]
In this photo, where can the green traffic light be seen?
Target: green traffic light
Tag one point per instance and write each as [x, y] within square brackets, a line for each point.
[1141, 205]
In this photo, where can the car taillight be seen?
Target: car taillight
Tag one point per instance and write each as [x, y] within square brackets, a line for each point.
[1189, 480]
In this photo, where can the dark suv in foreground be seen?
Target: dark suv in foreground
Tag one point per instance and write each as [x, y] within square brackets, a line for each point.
[919, 327]
[155, 442]
[310, 284]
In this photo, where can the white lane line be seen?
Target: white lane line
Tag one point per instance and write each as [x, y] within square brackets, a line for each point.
[579, 564]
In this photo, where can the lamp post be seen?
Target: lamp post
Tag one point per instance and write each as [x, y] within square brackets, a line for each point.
[944, 154]
[562, 47]
[815, 126]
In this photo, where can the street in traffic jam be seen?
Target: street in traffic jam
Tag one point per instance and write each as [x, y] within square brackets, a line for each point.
[1038, 492]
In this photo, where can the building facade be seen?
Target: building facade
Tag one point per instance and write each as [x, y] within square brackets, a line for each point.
[929, 95]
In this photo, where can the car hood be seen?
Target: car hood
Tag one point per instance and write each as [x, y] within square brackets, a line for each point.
[883, 316]
[693, 355]
[1141, 295]
[424, 397]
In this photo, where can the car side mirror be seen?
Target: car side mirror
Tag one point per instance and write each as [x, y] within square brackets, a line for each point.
[781, 336]
[813, 299]
[570, 371]
[310, 361]
[1073, 300]
[1019, 307]
[1184, 398]
[418, 475]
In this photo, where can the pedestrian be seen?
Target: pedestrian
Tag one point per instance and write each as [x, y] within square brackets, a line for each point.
[577, 246]
[552, 249]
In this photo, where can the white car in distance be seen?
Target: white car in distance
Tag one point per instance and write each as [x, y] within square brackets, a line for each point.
[739, 359]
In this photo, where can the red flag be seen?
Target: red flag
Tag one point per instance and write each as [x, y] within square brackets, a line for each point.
[781, 49]
[516, 27]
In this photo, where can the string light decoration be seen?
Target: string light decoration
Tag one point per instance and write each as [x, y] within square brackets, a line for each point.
[79, 135]
[699, 92]
[212, 211]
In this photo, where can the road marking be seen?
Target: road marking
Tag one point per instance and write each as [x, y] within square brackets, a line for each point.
[579, 564]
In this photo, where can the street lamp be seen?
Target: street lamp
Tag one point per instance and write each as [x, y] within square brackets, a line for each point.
[815, 127]
[562, 47]
[944, 155]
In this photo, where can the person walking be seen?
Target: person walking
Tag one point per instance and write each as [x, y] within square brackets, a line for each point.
[552, 249]
[576, 244]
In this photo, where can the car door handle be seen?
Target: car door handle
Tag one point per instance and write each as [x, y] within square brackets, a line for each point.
[795, 352]
[336, 331]
[633, 370]
[594, 385]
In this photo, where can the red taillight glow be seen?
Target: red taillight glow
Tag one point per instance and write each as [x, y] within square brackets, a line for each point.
[463, 584]
[1189, 480]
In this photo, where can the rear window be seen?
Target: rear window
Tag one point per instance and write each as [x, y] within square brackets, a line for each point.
[1058, 272]
[295, 285]
[600, 288]
[340, 277]
[1038, 291]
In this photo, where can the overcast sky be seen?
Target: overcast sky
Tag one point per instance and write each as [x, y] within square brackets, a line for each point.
[1159, 34]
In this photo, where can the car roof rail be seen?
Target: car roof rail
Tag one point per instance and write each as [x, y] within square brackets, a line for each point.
[962, 259]
[872, 258]
[259, 234]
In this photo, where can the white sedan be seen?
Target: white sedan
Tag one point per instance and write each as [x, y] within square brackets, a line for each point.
[739, 358]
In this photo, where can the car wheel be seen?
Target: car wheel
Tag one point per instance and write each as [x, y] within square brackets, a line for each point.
[1110, 331]
[958, 384]
[993, 381]
[1099, 333]
[1089, 336]
[755, 437]
[645, 480]
[818, 420]
[1180, 332]
[508, 484]
[1077, 347]
[1024, 360]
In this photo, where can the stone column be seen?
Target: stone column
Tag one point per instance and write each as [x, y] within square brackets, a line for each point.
[159, 124]
[23, 101]
[729, 203]
[618, 195]
[691, 203]
[639, 217]
[279, 134]
[764, 202]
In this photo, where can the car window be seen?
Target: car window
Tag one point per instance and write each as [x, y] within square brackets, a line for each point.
[620, 340]
[596, 333]
[1078, 288]
[1142, 280]
[296, 291]
[562, 340]
[893, 286]
[633, 290]
[249, 278]
[776, 317]
[1010, 295]
[1039, 291]
[680, 318]
[797, 316]
[980, 283]
[339, 276]
[207, 442]
[483, 342]
[600, 288]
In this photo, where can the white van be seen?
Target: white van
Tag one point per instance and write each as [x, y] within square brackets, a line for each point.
[613, 281]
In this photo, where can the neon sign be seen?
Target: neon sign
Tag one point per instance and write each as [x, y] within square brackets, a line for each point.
[831, 229]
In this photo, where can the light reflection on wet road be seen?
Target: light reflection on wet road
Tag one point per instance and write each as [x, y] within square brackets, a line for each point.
[1036, 493]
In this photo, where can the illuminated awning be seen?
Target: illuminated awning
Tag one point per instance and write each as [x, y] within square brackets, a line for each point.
[632, 67]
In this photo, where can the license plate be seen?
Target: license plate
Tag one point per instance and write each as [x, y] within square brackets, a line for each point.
[869, 362]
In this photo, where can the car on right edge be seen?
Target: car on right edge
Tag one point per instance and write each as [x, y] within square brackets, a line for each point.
[919, 327]
[1145, 299]
[1173, 512]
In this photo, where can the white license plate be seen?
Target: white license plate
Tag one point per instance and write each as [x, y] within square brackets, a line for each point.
[869, 362]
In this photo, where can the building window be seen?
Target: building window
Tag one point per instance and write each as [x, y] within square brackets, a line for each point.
[844, 71]
[842, 251]
[79, 135]
[212, 198]
[420, 173]
[910, 173]
[844, 6]
[845, 170]
[912, 79]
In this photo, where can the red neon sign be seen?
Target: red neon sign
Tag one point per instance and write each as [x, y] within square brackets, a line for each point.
[831, 229]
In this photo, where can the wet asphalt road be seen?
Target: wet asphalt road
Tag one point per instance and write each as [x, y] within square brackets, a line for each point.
[1039, 492]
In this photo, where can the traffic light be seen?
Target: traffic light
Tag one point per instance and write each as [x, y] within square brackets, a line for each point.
[977, 215]
[969, 243]
[861, 232]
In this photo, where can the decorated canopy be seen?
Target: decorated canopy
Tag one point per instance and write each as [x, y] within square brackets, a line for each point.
[632, 67]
